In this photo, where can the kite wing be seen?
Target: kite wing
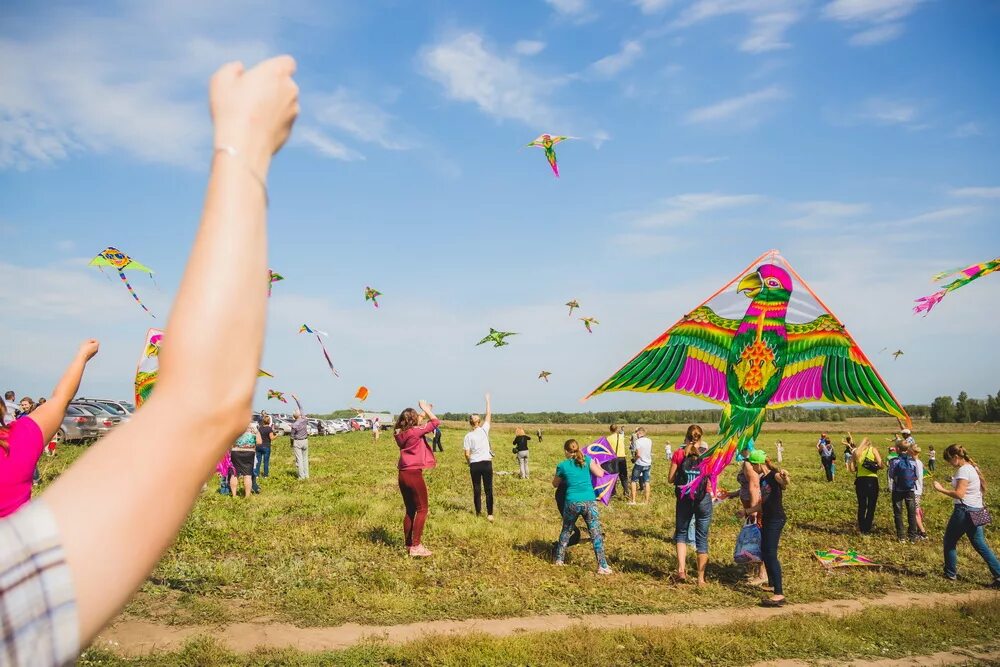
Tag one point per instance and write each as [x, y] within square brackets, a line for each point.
[968, 274]
[261, 373]
[600, 450]
[825, 364]
[604, 486]
[688, 358]
[487, 339]
[114, 257]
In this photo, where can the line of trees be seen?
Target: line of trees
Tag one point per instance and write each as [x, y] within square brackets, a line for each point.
[965, 410]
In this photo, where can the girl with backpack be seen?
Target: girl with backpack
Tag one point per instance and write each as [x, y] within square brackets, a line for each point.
[696, 504]
[903, 473]
[969, 514]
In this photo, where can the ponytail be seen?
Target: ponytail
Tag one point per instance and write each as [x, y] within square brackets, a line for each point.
[958, 450]
[572, 447]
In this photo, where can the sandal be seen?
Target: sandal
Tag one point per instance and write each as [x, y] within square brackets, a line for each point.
[771, 602]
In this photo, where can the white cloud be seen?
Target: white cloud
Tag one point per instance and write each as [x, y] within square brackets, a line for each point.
[652, 6]
[687, 207]
[745, 109]
[312, 137]
[873, 11]
[991, 192]
[966, 130]
[816, 214]
[882, 16]
[611, 65]
[638, 244]
[699, 159]
[769, 20]
[889, 111]
[528, 47]
[132, 81]
[574, 8]
[500, 87]
[880, 34]
[346, 111]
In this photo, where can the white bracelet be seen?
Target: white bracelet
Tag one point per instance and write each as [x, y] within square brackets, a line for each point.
[232, 152]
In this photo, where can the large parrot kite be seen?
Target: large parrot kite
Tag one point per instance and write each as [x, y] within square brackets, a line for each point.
[758, 362]
[121, 262]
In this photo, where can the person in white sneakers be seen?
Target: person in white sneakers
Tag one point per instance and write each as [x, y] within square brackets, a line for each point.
[479, 455]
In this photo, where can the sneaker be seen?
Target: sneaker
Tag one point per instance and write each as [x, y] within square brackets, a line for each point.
[560, 563]
[419, 551]
[490, 518]
[604, 570]
[951, 577]
[920, 538]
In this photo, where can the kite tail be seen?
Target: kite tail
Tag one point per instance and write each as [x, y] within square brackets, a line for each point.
[738, 430]
[134, 295]
[925, 303]
[326, 354]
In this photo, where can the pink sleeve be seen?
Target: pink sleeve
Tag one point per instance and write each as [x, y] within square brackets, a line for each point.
[25, 442]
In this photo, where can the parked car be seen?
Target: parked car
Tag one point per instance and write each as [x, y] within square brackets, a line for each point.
[359, 424]
[105, 420]
[281, 426]
[122, 408]
[78, 425]
[340, 425]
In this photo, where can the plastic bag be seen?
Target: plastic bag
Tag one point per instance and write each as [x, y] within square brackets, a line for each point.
[748, 544]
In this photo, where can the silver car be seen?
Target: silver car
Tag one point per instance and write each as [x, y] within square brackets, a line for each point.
[78, 425]
[105, 419]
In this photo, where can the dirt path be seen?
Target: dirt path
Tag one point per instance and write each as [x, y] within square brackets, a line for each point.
[134, 637]
[985, 655]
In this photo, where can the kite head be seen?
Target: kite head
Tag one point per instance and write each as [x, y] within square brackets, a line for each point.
[115, 257]
[769, 283]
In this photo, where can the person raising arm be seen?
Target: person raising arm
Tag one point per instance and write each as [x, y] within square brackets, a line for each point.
[111, 542]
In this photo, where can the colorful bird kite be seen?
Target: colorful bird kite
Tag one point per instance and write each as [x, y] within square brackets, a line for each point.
[832, 558]
[756, 362]
[372, 294]
[572, 304]
[897, 354]
[362, 394]
[277, 395]
[272, 278]
[148, 369]
[115, 258]
[600, 450]
[589, 322]
[970, 273]
[305, 328]
[544, 375]
[548, 142]
[497, 338]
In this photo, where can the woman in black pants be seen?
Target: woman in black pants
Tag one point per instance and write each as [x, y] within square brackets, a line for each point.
[867, 463]
[773, 519]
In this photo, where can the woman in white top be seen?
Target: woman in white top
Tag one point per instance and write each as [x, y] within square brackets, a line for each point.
[968, 487]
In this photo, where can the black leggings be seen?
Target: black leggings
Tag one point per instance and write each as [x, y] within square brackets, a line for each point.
[770, 534]
[867, 490]
[482, 476]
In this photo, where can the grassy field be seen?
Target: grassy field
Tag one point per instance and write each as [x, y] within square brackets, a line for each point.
[876, 633]
[329, 550]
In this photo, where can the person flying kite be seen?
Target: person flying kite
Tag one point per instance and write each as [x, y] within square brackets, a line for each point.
[305, 328]
[118, 260]
[272, 278]
[970, 273]
[756, 362]
[572, 304]
[547, 142]
[276, 395]
[372, 295]
[589, 322]
[496, 337]
[544, 375]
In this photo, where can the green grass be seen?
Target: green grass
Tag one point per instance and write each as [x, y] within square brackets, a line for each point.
[876, 632]
[330, 551]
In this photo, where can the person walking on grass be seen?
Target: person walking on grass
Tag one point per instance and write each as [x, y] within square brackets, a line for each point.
[642, 464]
[262, 468]
[22, 440]
[931, 458]
[694, 435]
[779, 447]
[242, 455]
[903, 471]
[693, 504]
[616, 438]
[521, 450]
[300, 439]
[918, 491]
[479, 456]
[867, 463]
[575, 472]
[827, 456]
[969, 514]
[773, 519]
[414, 457]
[436, 440]
[849, 447]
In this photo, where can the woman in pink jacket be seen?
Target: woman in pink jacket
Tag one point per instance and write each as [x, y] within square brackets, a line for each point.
[414, 456]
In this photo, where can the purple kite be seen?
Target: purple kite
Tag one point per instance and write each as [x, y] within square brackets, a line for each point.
[600, 451]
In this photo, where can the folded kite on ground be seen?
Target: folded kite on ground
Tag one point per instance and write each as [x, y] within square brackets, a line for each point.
[832, 558]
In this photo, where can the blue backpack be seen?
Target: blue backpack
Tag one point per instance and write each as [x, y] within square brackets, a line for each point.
[904, 474]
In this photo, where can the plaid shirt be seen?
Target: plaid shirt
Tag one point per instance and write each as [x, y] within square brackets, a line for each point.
[38, 615]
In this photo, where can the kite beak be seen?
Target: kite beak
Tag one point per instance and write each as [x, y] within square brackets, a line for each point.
[750, 285]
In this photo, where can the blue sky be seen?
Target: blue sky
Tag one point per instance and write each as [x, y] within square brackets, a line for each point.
[860, 137]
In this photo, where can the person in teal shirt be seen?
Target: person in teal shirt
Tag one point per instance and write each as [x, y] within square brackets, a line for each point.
[575, 474]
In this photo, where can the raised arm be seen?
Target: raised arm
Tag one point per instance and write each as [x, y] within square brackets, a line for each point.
[50, 414]
[298, 404]
[112, 541]
[489, 412]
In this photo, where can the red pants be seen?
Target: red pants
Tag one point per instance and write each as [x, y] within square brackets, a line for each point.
[411, 485]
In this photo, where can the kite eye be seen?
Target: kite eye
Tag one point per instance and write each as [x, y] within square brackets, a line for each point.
[772, 282]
